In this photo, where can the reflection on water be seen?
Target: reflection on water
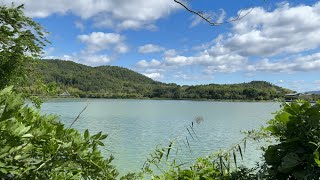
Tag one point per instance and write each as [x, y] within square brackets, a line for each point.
[136, 127]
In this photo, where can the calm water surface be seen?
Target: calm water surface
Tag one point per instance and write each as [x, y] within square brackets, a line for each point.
[136, 127]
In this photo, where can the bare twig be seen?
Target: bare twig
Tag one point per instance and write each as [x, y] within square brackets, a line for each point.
[208, 19]
[78, 116]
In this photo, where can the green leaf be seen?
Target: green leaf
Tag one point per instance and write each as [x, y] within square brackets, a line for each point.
[17, 157]
[168, 151]
[316, 158]
[96, 136]
[234, 158]
[86, 134]
[290, 161]
[22, 130]
[100, 143]
[239, 148]
[27, 136]
[2, 164]
[3, 170]
[67, 145]
[102, 137]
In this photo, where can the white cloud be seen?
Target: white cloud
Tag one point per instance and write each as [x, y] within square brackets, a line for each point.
[79, 25]
[207, 45]
[48, 51]
[63, 57]
[192, 77]
[170, 53]
[145, 64]
[212, 60]
[178, 61]
[98, 41]
[87, 59]
[150, 48]
[217, 17]
[123, 14]
[121, 48]
[249, 74]
[316, 85]
[283, 30]
[95, 60]
[262, 35]
[155, 76]
[301, 63]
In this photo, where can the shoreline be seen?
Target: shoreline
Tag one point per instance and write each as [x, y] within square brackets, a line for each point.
[160, 99]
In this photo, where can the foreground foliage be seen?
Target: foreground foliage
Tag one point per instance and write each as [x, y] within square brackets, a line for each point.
[297, 129]
[35, 146]
[20, 40]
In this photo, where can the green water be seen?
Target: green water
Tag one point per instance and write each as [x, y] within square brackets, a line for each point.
[136, 127]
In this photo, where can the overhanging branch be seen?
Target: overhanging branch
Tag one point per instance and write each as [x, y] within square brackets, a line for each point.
[208, 19]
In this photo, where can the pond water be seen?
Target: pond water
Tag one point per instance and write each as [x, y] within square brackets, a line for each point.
[136, 127]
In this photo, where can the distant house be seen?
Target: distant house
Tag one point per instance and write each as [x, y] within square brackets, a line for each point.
[65, 94]
[292, 96]
[295, 96]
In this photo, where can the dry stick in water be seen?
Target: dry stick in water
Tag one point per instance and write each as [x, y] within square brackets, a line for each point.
[194, 132]
[78, 116]
[190, 133]
[188, 144]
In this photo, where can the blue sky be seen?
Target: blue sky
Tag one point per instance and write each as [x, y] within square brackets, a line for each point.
[277, 41]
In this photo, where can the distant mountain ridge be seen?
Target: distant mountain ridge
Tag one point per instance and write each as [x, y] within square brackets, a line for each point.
[314, 92]
[117, 82]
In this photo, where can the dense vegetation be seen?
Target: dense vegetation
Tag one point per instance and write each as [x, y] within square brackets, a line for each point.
[34, 146]
[20, 39]
[297, 130]
[117, 82]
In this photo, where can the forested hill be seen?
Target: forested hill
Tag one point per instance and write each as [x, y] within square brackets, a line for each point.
[117, 82]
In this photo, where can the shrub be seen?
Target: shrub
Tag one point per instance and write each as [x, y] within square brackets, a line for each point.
[296, 128]
[35, 146]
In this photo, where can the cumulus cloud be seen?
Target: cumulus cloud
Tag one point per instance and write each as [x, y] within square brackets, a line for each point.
[145, 64]
[100, 49]
[301, 63]
[150, 48]
[283, 30]
[213, 16]
[124, 14]
[155, 76]
[87, 59]
[95, 60]
[79, 25]
[213, 60]
[191, 77]
[278, 41]
[170, 53]
[98, 41]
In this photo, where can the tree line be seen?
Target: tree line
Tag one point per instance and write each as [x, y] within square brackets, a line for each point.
[117, 82]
